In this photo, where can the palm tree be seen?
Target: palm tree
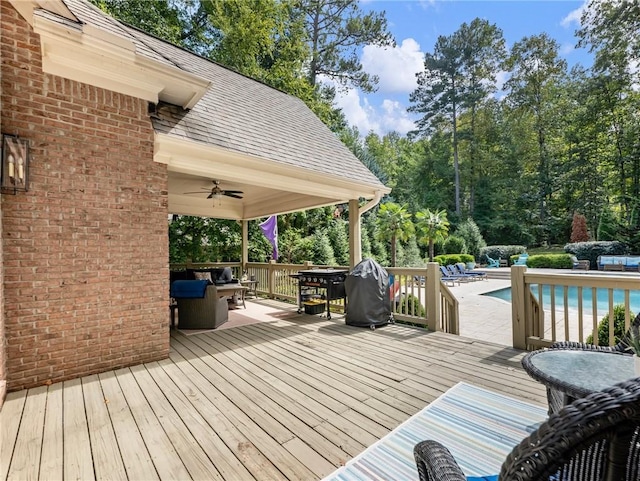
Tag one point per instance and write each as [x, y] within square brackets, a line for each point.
[433, 225]
[394, 223]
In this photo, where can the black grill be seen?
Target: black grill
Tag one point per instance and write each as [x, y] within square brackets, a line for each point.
[331, 280]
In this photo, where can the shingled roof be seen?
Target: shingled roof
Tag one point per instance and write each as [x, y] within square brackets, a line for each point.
[238, 113]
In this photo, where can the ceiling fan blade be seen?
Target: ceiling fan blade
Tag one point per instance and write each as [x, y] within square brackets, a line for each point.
[234, 192]
[229, 194]
[198, 192]
[210, 196]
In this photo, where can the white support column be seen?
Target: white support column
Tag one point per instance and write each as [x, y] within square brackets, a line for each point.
[245, 245]
[355, 241]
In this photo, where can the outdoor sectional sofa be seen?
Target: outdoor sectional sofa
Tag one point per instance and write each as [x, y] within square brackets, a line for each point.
[200, 305]
[622, 263]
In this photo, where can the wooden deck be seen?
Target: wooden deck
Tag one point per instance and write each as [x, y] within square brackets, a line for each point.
[293, 398]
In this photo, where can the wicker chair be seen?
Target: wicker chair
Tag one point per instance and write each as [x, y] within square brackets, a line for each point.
[595, 438]
[620, 347]
[208, 312]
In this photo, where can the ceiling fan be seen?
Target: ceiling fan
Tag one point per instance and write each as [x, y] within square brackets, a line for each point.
[216, 192]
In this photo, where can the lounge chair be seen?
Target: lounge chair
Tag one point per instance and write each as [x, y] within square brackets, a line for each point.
[448, 278]
[462, 269]
[594, 438]
[522, 260]
[454, 271]
[492, 262]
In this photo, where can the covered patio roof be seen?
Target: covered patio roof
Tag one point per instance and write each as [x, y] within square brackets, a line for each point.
[211, 123]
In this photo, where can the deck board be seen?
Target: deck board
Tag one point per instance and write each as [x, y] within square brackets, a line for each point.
[51, 466]
[291, 399]
[26, 458]
[77, 455]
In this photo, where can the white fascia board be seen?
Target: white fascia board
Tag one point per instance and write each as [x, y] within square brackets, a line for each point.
[26, 8]
[196, 158]
[96, 57]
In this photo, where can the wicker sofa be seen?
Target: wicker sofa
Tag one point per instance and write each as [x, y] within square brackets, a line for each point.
[206, 312]
[622, 263]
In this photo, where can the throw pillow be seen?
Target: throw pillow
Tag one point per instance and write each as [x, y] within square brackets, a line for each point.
[203, 276]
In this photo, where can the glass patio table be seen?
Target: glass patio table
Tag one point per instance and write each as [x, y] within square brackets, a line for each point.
[572, 374]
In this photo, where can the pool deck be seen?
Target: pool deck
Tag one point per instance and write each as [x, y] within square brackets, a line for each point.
[484, 317]
[488, 318]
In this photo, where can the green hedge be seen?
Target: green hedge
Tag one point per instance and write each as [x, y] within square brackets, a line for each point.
[449, 259]
[550, 261]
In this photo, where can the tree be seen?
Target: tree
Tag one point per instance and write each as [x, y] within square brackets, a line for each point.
[458, 75]
[181, 22]
[579, 232]
[608, 227]
[612, 25]
[394, 222]
[535, 72]
[473, 239]
[335, 31]
[432, 225]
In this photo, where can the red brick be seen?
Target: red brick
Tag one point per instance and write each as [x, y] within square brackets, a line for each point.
[85, 250]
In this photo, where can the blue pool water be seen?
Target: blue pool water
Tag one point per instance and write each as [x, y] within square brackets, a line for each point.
[602, 297]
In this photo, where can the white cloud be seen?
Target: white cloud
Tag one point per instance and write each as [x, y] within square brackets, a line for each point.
[567, 48]
[501, 78]
[574, 16]
[395, 67]
[396, 118]
[389, 116]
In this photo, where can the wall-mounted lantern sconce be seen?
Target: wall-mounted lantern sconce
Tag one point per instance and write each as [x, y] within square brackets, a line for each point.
[15, 164]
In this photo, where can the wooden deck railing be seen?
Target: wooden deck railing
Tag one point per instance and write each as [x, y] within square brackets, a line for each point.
[440, 305]
[543, 313]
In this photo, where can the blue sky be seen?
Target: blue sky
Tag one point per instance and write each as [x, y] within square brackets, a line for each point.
[416, 25]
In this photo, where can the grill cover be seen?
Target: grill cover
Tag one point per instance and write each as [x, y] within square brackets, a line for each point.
[367, 287]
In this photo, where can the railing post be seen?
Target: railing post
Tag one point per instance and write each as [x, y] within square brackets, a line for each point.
[433, 296]
[272, 278]
[519, 299]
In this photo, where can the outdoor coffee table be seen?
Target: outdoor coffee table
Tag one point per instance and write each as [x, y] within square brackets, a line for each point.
[572, 374]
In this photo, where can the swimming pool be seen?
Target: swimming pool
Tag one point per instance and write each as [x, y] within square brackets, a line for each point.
[602, 297]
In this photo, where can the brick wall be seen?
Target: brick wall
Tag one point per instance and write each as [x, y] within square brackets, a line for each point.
[86, 249]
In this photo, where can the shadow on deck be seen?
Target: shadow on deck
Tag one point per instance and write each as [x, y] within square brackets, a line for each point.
[291, 397]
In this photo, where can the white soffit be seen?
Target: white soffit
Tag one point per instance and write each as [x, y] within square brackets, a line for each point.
[204, 160]
[96, 57]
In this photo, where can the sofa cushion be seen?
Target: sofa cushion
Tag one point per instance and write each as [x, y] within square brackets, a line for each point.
[203, 276]
[189, 289]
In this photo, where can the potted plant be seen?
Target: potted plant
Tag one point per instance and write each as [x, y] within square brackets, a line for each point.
[633, 342]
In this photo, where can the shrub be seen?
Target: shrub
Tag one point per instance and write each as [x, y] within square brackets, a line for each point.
[550, 261]
[448, 259]
[501, 252]
[473, 239]
[618, 327]
[454, 245]
[579, 232]
[591, 250]
[410, 305]
[467, 258]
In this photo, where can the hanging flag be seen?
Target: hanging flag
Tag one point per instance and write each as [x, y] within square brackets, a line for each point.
[270, 230]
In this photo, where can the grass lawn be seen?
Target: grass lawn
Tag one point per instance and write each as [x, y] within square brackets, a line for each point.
[546, 250]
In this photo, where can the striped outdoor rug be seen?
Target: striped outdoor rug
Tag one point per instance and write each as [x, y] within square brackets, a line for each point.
[479, 427]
